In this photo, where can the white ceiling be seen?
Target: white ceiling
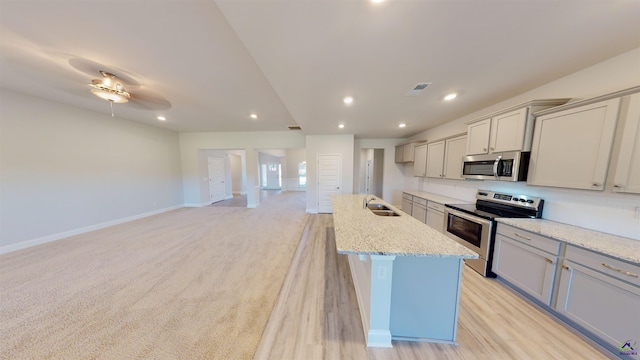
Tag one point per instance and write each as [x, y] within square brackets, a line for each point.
[292, 62]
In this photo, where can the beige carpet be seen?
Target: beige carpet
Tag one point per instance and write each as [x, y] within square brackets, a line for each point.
[189, 284]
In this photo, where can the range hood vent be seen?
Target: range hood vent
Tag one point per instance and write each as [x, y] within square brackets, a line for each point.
[417, 89]
[295, 127]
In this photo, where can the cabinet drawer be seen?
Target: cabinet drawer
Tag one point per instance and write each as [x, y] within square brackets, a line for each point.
[604, 264]
[435, 206]
[421, 201]
[537, 241]
[407, 196]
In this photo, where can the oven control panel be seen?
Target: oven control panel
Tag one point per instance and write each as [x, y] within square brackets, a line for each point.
[502, 198]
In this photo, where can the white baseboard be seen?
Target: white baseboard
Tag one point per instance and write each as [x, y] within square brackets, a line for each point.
[312, 211]
[196, 205]
[65, 234]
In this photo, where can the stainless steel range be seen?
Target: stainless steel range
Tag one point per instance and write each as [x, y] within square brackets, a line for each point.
[474, 225]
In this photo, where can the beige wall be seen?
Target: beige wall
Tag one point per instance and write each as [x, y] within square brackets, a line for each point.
[64, 170]
[190, 143]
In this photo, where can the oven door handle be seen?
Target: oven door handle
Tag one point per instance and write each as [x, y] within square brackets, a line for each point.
[468, 217]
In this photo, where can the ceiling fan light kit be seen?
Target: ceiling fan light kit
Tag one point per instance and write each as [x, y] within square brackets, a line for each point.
[109, 88]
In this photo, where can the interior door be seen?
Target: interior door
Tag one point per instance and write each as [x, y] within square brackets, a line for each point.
[273, 176]
[329, 180]
[216, 179]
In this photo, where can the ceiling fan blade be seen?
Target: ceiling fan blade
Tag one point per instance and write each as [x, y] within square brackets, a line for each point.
[94, 68]
[149, 101]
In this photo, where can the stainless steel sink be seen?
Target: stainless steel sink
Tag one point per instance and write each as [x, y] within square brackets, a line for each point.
[385, 213]
[378, 207]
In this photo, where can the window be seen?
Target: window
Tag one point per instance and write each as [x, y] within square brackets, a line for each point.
[302, 174]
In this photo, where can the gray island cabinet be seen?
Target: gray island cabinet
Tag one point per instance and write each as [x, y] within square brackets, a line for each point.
[406, 274]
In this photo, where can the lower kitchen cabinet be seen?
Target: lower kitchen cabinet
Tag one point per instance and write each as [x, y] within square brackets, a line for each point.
[435, 216]
[526, 260]
[419, 209]
[600, 295]
[407, 203]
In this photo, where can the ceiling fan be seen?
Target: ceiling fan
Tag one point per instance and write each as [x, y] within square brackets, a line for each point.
[119, 89]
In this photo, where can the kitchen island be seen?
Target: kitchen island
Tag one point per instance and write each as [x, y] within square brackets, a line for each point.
[406, 274]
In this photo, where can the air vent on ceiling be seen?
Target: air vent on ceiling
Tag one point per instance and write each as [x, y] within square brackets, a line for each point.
[417, 89]
[295, 127]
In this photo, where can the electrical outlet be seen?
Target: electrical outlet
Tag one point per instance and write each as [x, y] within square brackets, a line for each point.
[382, 272]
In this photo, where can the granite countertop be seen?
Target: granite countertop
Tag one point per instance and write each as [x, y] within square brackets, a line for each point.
[360, 231]
[435, 197]
[612, 245]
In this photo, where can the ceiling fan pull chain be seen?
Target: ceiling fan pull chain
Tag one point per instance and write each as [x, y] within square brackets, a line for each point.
[111, 104]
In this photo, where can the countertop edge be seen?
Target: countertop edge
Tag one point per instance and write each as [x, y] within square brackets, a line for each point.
[440, 199]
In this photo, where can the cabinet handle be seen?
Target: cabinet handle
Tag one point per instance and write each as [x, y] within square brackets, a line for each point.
[566, 267]
[597, 184]
[619, 270]
[491, 149]
[484, 149]
[617, 186]
[549, 261]
[522, 236]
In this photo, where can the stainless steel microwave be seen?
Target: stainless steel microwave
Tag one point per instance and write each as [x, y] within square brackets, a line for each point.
[506, 166]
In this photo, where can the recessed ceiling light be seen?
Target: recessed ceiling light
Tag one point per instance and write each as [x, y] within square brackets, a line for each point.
[161, 118]
[348, 100]
[341, 126]
[376, 1]
[451, 96]
[401, 125]
[254, 116]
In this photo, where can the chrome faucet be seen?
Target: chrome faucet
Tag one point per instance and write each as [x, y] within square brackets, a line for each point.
[366, 202]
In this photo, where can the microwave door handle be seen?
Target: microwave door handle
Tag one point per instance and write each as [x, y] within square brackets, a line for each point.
[495, 166]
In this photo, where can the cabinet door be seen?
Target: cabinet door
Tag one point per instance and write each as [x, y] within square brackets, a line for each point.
[508, 130]
[400, 154]
[408, 152]
[478, 137]
[454, 151]
[604, 306]
[419, 212]
[407, 204]
[571, 148]
[435, 159]
[627, 175]
[529, 269]
[420, 161]
[435, 219]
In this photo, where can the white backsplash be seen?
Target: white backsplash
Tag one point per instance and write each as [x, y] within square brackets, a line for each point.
[608, 212]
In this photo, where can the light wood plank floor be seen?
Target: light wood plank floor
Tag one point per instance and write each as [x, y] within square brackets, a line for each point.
[317, 316]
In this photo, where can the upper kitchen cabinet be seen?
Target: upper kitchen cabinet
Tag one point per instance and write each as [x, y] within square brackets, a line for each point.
[454, 151]
[405, 153]
[572, 144]
[444, 158]
[435, 159]
[420, 160]
[627, 170]
[507, 130]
